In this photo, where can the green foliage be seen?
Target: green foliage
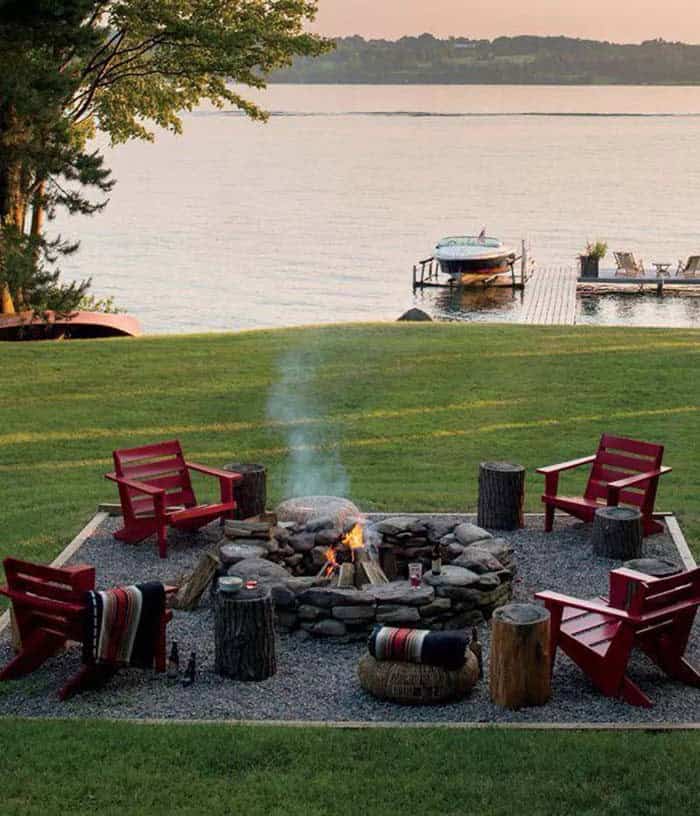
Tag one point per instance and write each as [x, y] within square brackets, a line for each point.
[69, 69]
[90, 303]
[505, 60]
[596, 249]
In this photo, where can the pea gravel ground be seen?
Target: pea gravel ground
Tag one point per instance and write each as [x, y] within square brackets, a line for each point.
[316, 679]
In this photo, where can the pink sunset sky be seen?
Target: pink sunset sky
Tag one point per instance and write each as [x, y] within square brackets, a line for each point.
[618, 20]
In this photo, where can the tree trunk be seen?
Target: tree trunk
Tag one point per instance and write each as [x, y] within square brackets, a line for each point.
[519, 670]
[251, 493]
[501, 495]
[244, 634]
[617, 533]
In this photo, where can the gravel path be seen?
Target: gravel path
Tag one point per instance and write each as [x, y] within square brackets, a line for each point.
[316, 679]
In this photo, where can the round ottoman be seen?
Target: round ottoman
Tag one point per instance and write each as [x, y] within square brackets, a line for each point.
[416, 683]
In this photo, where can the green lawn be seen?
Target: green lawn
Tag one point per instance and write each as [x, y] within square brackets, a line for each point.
[407, 411]
[56, 767]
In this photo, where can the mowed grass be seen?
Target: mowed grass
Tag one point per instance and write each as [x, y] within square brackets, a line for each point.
[406, 411]
[55, 767]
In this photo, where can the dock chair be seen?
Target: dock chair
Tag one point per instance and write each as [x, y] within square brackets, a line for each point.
[156, 493]
[628, 266]
[624, 471]
[651, 614]
[691, 268]
[49, 607]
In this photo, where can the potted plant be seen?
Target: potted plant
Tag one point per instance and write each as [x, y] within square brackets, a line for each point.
[590, 259]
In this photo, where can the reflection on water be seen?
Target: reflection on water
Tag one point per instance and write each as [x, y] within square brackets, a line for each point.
[503, 305]
[495, 304]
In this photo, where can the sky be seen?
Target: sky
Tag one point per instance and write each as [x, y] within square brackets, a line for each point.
[617, 20]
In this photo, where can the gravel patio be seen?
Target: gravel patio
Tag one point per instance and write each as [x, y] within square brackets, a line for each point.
[316, 678]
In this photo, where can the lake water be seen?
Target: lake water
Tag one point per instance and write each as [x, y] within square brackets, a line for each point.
[319, 215]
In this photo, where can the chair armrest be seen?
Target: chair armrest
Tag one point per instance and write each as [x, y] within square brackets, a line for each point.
[210, 471]
[621, 484]
[574, 463]
[586, 605]
[142, 487]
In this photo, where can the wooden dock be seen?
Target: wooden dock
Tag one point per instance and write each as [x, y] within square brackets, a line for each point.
[551, 298]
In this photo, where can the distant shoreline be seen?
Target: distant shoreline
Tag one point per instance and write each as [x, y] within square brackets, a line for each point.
[532, 84]
[524, 60]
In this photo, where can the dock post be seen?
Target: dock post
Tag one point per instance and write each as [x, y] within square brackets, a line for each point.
[414, 278]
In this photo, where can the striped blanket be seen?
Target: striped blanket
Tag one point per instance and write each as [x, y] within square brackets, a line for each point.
[122, 625]
[445, 649]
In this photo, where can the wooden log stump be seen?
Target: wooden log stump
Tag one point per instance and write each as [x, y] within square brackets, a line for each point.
[251, 492]
[617, 533]
[501, 495]
[519, 671]
[656, 567]
[244, 634]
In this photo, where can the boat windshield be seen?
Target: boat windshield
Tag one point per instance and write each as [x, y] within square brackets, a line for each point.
[469, 240]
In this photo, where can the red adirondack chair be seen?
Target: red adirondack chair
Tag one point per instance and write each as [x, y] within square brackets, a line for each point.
[625, 471]
[49, 609]
[653, 614]
[156, 492]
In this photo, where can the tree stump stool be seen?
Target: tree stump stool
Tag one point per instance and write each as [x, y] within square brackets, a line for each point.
[656, 567]
[501, 495]
[519, 670]
[251, 492]
[244, 634]
[617, 532]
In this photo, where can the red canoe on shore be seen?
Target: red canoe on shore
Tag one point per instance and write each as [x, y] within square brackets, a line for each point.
[72, 325]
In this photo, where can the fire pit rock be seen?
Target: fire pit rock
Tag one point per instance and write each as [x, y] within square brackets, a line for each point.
[330, 510]
[320, 583]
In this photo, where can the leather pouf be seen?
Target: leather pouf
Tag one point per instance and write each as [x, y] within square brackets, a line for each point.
[415, 683]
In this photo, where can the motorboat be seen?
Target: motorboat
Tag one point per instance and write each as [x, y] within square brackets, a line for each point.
[469, 258]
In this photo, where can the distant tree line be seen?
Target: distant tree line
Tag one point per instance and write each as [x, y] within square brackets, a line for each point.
[505, 60]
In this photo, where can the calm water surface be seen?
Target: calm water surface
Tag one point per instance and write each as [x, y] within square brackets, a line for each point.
[318, 215]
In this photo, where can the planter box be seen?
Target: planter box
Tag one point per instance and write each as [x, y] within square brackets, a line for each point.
[589, 266]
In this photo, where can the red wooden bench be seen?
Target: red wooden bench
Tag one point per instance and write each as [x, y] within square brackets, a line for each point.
[156, 492]
[49, 608]
[653, 614]
[624, 471]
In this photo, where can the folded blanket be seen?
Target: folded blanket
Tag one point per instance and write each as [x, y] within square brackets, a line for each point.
[122, 625]
[445, 649]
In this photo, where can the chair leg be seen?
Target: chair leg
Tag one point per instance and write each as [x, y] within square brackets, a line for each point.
[548, 518]
[163, 541]
[91, 676]
[37, 648]
[632, 694]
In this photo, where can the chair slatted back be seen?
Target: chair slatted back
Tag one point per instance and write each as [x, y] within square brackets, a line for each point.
[161, 465]
[692, 267]
[626, 262]
[619, 458]
[679, 591]
[46, 597]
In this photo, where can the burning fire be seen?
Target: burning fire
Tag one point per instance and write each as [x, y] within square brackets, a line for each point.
[354, 540]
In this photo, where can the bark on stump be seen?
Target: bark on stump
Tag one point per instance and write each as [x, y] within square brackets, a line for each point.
[251, 492]
[617, 533]
[501, 495]
[519, 671]
[244, 634]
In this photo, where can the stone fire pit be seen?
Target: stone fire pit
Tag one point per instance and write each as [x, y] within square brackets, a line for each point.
[293, 560]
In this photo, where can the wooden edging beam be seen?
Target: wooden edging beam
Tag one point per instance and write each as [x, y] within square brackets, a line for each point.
[66, 553]
[361, 725]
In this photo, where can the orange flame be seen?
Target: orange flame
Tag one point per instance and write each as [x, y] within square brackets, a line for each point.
[354, 539]
[331, 562]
